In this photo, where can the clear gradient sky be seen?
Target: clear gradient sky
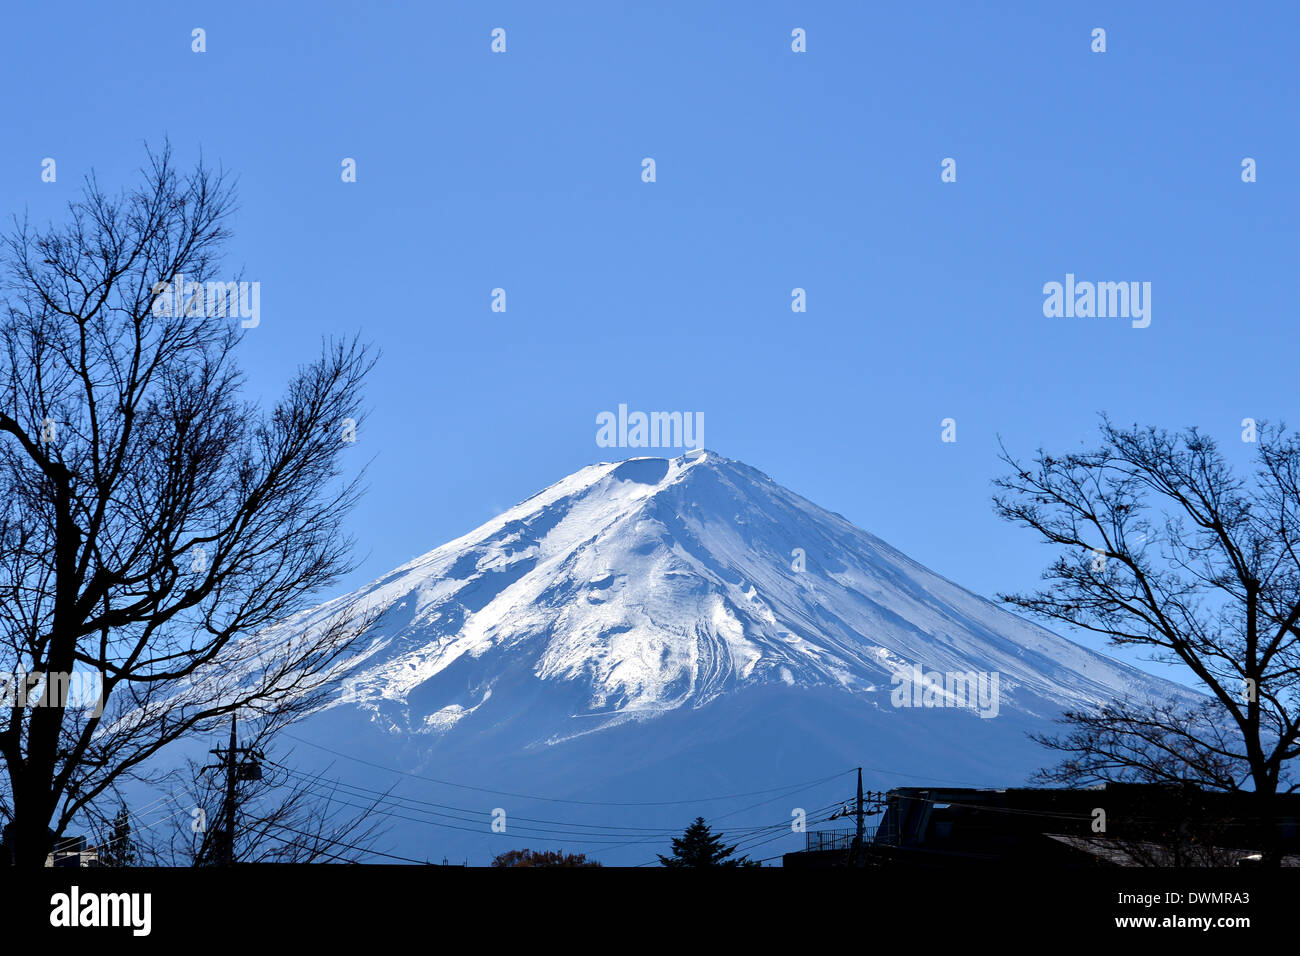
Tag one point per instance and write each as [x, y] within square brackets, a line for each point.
[775, 170]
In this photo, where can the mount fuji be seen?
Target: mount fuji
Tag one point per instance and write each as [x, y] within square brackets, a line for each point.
[648, 630]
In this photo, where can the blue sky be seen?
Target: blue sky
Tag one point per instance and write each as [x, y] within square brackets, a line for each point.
[775, 170]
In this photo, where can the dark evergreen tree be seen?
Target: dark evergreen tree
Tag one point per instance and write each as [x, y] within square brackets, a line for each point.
[699, 846]
[119, 849]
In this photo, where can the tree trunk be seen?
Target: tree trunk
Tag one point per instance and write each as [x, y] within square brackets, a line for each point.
[30, 828]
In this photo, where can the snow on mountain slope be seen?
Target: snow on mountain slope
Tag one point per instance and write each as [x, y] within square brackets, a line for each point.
[650, 585]
[639, 632]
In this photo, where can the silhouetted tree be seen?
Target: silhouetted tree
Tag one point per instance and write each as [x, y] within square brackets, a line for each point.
[1163, 546]
[150, 518]
[699, 846]
[526, 857]
[118, 848]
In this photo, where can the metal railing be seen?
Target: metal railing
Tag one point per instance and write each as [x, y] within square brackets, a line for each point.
[815, 840]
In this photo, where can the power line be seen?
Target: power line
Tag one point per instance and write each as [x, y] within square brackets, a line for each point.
[443, 806]
[526, 796]
[318, 784]
[133, 831]
[475, 814]
[350, 846]
[532, 833]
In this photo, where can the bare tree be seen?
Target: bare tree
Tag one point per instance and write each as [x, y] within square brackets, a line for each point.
[281, 814]
[1163, 546]
[150, 518]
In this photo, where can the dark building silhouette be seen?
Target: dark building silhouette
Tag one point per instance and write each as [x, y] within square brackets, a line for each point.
[1113, 825]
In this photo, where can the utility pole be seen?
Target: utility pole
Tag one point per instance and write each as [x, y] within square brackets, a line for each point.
[857, 850]
[228, 830]
[856, 856]
[239, 763]
[862, 830]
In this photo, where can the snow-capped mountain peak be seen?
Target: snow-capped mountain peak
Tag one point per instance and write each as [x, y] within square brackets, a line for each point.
[630, 589]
